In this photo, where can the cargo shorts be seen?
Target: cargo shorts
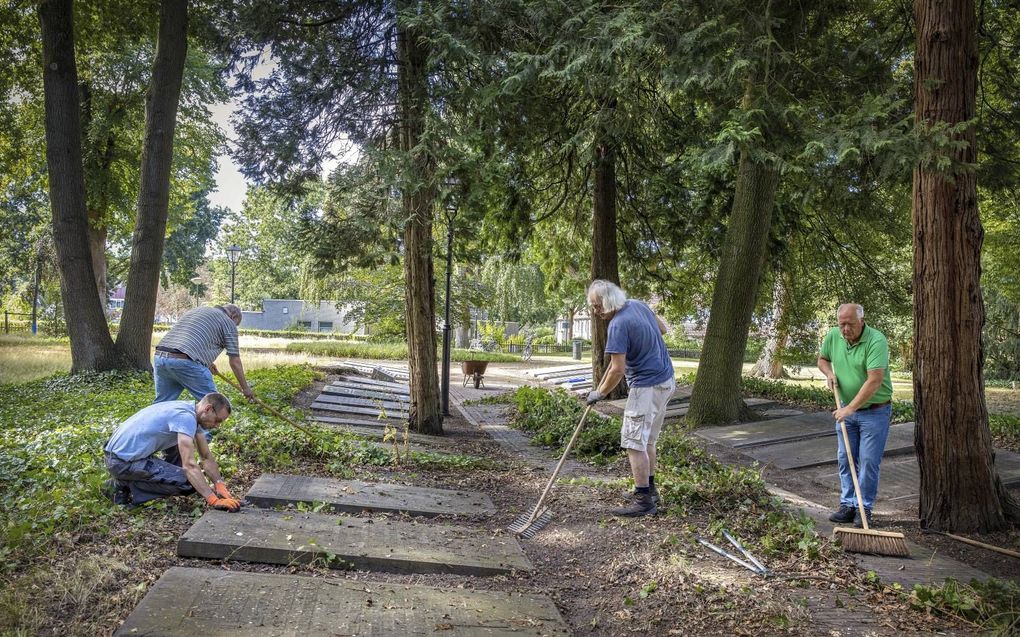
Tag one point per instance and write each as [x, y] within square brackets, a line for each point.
[643, 415]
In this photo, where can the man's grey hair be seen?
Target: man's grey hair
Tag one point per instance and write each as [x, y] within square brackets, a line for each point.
[232, 311]
[609, 295]
[857, 307]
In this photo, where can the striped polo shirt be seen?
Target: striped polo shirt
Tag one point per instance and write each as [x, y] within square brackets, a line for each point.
[201, 334]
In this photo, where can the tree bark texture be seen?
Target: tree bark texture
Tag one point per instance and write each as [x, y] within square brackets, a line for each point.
[418, 200]
[960, 487]
[770, 361]
[716, 395]
[162, 100]
[92, 349]
[604, 256]
[96, 214]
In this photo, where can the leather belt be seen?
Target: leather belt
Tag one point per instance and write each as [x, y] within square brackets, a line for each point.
[166, 354]
[875, 406]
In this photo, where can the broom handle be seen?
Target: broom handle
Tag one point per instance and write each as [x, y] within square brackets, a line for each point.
[559, 465]
[269, 408]
[850, 457]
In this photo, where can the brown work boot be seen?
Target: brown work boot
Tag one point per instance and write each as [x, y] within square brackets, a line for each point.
[640, 504]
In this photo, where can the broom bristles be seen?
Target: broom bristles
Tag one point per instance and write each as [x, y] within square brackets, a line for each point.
[872, 542]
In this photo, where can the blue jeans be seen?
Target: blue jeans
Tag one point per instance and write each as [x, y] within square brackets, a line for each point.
[867, 431]
[174, 375]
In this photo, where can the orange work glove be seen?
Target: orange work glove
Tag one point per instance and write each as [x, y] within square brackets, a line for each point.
[224, 504]
[221, 490]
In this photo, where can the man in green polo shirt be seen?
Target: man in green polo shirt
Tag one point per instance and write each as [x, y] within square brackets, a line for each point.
[855, 358]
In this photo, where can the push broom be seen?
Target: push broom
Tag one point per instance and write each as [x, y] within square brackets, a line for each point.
[865, 540]
[527, 525]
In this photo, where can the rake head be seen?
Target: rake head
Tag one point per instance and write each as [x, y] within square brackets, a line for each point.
[528, 524]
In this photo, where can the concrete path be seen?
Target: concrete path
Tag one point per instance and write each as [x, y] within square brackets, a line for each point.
[186, 602]
[353, 496]
[367, 544]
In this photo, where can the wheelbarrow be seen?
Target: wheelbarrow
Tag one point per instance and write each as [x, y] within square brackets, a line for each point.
[473, 371]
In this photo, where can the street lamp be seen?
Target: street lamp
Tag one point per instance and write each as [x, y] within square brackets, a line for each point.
[233, 255]
[449, 211]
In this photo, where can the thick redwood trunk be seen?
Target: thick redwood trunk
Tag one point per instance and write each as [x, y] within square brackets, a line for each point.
[135, 336]
[418, 199]
[604, 257]
[960, 487]
[716, 395]
[91, 345]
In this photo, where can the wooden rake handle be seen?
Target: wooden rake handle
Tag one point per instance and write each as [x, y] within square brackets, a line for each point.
[269, 408]
[850, 457]
[559, 465]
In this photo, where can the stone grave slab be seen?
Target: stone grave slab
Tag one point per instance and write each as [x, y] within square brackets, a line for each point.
[676, 412]
[352, 496]
[357, 392]
[377, 433]
[780, 413]
[817, 452]
[760, 404]
[354, 401]
[540, 373]
[361, 380]
[682, 394]
[770, 431]
[901, 479]
[365, 423]
[344, 383]
[351, 409]
[185, 602]
[392, 546]
[554, 376]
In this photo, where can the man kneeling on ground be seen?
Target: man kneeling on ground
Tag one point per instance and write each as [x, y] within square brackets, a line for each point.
[177, 427]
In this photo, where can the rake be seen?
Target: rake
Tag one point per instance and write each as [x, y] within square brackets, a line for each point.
[865, 540]
[271, 410]
[528, 524]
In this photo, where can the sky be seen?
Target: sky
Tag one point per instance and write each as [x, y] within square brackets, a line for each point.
[230, 184]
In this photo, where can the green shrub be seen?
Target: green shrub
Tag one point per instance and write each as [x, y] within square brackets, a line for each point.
[993, 606]
[552, 417]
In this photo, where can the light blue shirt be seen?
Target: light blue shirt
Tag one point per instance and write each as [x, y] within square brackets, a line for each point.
[634, 331]
[153, 429]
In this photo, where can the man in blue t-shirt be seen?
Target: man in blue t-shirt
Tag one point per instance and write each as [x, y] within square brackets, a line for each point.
[638, 352]
[178, 428]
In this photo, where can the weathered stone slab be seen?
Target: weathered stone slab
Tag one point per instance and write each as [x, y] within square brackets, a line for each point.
[780, 413]
[373, 423]
[214, 603]
[817, 452]
[353, 496]
[369, 383]
[354, 401]
[555, 376]
[682, 394]
[357, 392]
[352, 409]
[673, 413]
[748, 434]
[901, 479]
[378, 433]
[392, 546]
[760, 404]
[545, 371]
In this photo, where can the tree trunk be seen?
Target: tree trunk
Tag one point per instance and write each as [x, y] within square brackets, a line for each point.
[135, 336]
[604, 255]
[570, 325]
[96, 214]
[418, 200]
[716, 394]
[960, 487]
[91, 345]
[770, 362]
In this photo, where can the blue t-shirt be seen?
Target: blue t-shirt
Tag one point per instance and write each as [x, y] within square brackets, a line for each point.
[634, 331]
[153, 429]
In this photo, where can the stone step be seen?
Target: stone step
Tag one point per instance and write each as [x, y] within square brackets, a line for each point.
[749, 434]
[353, 401]
[371, 382]
[185, 602]
[391, 546]
[354, 409]
[353, 496]
[348, 389]
[377, 433]
[817, 452]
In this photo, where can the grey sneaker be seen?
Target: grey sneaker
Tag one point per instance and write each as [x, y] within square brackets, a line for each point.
[640, 504]
[845, 515]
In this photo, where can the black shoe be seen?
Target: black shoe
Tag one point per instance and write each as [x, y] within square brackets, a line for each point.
[116, 492]
[844, 515]
[640, 504]
[630, 495]
[857, 519]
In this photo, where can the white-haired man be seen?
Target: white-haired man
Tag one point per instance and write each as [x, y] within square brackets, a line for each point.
[184, 358]
[638, 352]
[855, 358]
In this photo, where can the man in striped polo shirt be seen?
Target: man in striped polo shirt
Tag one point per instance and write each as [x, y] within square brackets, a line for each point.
[184, 358]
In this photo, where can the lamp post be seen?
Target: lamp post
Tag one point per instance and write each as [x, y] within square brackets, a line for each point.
[233, 255]
[450, 211]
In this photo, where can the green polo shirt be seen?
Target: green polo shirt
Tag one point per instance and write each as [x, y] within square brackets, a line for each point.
[851, 363]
